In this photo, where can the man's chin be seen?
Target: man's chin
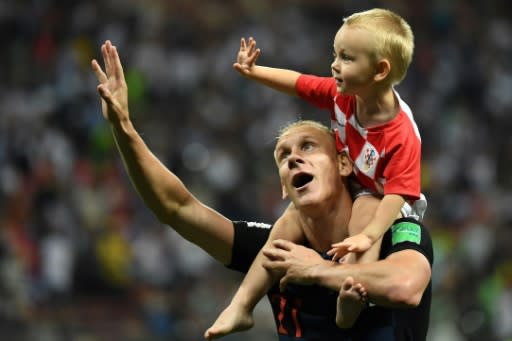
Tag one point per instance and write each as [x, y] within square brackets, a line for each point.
[306, 202]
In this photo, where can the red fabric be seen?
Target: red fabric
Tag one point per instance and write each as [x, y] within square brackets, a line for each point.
[386, 158]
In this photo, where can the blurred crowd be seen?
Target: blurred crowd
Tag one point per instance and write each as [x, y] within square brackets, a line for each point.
[81, 258]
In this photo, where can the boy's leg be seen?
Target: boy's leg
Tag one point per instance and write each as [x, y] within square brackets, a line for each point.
[363, 209]
[238, 315]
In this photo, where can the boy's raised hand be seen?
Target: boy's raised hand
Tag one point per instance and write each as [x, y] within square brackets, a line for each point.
[358, 243]
[247, 56]
[112, 85]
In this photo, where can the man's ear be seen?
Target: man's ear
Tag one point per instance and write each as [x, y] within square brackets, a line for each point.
[382, 70]
[344, 164]
[284, 193]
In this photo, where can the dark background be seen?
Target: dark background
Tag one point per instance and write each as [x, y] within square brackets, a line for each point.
[81, 258]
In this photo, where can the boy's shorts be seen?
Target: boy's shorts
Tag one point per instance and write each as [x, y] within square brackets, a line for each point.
[411, 209]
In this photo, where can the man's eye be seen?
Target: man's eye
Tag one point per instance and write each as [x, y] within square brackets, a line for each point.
[308, 146]
[283, 156]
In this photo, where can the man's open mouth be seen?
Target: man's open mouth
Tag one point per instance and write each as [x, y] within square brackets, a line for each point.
[301, 179]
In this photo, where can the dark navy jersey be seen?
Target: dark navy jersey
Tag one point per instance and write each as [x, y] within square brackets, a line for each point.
[308, 313]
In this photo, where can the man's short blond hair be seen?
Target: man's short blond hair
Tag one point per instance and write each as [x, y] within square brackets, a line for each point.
[394, 38]
[304, 123]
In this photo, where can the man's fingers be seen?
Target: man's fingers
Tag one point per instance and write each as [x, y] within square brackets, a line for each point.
[283, 244]
[283, 283]
[100, 75]
[273, 253]
[105, 48]
[104, 93]
[118, 67]
[243, 44]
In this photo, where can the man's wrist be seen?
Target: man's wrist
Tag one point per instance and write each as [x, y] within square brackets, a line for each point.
[320, 274]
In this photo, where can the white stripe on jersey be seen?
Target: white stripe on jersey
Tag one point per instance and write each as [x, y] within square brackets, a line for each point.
[258, 225]
[405, 107]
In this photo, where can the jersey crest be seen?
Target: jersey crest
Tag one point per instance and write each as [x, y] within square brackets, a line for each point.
[367, 160]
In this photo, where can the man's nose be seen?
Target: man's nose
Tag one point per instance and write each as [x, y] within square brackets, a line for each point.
[294, 160]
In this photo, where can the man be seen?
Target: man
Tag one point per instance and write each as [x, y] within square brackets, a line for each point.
[302, 312]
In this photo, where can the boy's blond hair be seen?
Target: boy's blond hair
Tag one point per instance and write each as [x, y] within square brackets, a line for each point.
[394, 38]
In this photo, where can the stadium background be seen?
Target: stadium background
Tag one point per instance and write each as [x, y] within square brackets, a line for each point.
[81, 258]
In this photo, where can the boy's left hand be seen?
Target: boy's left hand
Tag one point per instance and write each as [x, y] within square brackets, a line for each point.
[358, 243]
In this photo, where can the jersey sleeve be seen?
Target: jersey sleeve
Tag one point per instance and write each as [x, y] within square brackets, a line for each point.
[403, 172]
[318, 91]
[408, 234]
[248, 240]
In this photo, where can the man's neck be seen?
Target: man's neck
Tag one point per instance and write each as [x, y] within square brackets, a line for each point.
[328, 224]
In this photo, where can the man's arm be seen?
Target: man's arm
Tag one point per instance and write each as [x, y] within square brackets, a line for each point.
[161, 190]
[396, 281]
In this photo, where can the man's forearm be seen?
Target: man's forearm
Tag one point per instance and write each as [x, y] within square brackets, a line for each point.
[391, 282]
[159, 188]
[165, 194]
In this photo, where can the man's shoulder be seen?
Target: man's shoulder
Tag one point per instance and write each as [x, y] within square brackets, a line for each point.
[407, 234]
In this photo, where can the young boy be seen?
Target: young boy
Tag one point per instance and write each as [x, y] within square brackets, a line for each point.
[372, 52]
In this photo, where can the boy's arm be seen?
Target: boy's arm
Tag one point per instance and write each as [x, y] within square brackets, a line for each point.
[278, 79]
[387, 211]
[161, 190]
[282, 80]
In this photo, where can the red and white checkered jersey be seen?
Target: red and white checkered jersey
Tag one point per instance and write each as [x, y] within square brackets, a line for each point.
[387, 157]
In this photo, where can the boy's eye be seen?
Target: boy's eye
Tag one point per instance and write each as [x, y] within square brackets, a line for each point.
[345, 56]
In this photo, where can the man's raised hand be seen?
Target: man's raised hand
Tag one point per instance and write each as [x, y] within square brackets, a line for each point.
[112, 85]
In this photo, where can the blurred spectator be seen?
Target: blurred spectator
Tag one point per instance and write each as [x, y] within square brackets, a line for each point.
[81, 257]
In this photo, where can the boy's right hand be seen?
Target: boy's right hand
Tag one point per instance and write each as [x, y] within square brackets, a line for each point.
[247, 56]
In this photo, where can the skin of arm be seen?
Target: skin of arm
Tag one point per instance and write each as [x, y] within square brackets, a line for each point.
[161, 190]
[258, 280]
[396, 281]
[387, 211]
[278, 79]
